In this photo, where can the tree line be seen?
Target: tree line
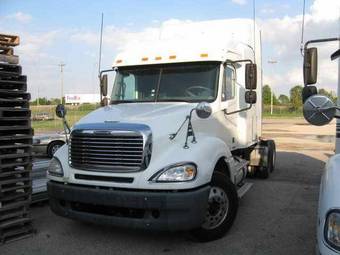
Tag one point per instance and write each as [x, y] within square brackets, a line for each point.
[294, 100]
[46, 101]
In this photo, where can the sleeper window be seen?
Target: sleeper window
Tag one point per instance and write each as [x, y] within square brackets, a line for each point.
[228, 88]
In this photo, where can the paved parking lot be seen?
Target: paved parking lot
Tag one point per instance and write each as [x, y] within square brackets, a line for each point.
[277, 216]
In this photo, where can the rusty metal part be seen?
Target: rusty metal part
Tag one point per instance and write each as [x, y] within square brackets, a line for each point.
[9, 40]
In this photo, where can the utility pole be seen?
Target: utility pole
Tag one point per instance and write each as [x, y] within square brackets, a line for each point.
[38, 95]
[62, 81]
[271, 89]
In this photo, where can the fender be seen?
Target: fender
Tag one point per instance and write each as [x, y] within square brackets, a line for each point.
[329, 194]
[205, 154]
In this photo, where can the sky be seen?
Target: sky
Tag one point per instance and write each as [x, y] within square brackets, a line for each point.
[67, 31]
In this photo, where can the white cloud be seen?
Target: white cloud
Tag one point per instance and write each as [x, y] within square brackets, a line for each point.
[20, 17]
[283, 36]
[267, 11]
[325, 10]
[281, 41]
[240, 2]
[33, 45]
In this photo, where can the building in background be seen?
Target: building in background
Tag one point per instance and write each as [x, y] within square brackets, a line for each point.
[82, 98]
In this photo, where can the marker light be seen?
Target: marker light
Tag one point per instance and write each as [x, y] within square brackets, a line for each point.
[119, 61]
[172, 57]
[145, 59]
[204, 55]
[158, 58]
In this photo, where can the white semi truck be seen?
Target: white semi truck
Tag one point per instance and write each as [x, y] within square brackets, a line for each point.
[320, 110]
[172, 145]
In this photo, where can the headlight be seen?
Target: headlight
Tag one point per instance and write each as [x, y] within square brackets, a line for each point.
[332, 229]
[55, 168]
[176, 173]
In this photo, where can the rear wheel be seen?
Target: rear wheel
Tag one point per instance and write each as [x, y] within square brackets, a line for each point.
[221, 211]
[264, 171]
[53, 147]
[271, 155]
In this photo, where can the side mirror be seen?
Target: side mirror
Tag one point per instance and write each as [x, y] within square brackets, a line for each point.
[203, 110]
[60, 111]
[308, 91]
[250, 97]
[318, 110]
[310, 66]
[251, 76]
[103, 85]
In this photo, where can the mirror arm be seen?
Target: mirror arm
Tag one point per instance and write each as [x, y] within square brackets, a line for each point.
[321, 40]
[190, 130]
[107, 70]
[67, 129]
[173, 136]
[237, 111]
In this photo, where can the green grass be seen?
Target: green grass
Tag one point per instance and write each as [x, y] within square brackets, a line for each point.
[283, 115]
[73, 115]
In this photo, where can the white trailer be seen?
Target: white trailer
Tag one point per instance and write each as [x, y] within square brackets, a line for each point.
[173, 143]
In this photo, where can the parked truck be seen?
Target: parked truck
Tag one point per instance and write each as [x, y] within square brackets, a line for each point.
[171, 147]
[320, 110]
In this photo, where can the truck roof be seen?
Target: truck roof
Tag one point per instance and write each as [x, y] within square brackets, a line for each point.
[176, 42]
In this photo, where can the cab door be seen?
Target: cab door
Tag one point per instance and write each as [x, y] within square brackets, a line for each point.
[229, 104]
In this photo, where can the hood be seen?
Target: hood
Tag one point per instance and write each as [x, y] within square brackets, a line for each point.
[162, 118]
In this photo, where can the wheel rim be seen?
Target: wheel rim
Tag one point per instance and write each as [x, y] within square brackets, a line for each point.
[55, 148]
[218, 206]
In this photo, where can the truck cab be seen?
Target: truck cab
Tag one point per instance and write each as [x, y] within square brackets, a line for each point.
[173, 142]
[320, 110]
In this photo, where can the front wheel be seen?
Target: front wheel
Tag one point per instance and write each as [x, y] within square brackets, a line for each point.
[53, 147]
[221, 211]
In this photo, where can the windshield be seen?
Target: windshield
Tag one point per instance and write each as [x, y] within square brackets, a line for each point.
[192, 82]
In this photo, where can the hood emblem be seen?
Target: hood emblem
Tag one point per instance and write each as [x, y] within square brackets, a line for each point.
[111, 121]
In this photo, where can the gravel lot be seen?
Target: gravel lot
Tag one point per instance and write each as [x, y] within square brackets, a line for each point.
[277, 216]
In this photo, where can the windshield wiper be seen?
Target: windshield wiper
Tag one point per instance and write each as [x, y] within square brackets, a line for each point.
[129, 101]
[175, 100]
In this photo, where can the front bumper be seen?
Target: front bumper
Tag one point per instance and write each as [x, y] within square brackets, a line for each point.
[156, 210]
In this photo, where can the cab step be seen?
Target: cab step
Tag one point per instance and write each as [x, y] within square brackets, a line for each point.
[242, 190]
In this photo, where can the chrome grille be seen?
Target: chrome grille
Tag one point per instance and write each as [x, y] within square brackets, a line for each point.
[106, 151]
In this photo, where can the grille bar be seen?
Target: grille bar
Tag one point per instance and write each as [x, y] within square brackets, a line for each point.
[106, 152]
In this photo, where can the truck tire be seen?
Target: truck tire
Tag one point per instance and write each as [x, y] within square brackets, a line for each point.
[53, 147]
[264, 171]
[271, 155]
[221, 211]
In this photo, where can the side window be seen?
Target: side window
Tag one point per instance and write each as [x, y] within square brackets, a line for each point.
[228, 88]
[129, 88]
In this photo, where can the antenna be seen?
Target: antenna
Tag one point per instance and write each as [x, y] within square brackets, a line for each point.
[100, 45]
[303, 26]
[61, 65]
[254, 25]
